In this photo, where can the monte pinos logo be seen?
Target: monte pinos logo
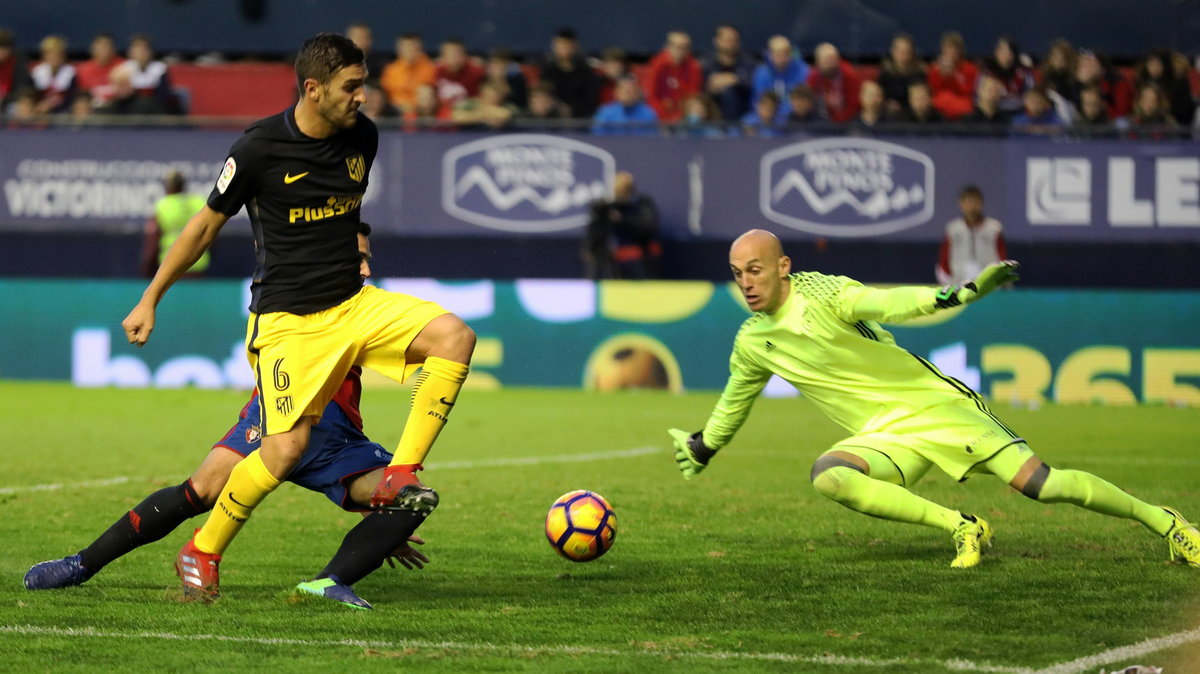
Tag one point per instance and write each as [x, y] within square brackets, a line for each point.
[846, 187]
[525, 182]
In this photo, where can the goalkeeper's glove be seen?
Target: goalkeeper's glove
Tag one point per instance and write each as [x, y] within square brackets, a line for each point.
[992, 277]
[691, 454]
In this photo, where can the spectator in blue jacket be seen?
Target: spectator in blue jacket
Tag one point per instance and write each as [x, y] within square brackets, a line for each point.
[781, 72]
[1038, 117]
[765, 120]
[628, 114]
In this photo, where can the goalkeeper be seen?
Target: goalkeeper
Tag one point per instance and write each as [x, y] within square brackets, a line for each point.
[821, 334]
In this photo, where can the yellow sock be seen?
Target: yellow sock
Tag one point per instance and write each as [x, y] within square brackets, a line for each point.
[433, 397]
[248, 485]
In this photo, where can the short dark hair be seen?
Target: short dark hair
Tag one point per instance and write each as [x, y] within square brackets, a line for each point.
[104, 35]
[801, 91]
[728, 25]
[175, 182]
[614, 54]
[1040, 91]
[323, 55]
[364, 229]
[142, 37]
[970, 190]
[567, 33]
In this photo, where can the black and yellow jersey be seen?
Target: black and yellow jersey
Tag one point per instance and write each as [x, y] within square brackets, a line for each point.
[303, 196]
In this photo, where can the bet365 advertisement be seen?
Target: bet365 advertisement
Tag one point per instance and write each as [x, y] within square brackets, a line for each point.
[1023, 346]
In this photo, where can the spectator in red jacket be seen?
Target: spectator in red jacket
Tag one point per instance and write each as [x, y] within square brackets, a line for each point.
[93, 74]
[834, 83]
[14, 73]
[671, 76]
[457, 77]
[952, 78]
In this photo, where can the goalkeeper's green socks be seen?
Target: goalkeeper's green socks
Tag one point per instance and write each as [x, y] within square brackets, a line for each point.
[1088, 491]
[884, 500]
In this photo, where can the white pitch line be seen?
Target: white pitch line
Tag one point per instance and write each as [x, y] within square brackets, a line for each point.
[959, 665]
[65, 485]
[447, 465]
[537, 460]
[1124, 653]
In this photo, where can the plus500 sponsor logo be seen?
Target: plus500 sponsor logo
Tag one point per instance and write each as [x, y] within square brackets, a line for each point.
[525, 182]
[846, 187]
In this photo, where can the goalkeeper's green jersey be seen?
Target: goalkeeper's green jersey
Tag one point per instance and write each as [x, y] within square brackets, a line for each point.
[825, 340]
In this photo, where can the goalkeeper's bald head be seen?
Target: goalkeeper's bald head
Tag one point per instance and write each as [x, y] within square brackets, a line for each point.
[760, 269]
[763, 243]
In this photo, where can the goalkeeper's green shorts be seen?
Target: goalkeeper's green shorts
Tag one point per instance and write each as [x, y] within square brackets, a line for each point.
[956, 437]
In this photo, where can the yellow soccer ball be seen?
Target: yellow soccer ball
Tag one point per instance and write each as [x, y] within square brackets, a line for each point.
[581, 526]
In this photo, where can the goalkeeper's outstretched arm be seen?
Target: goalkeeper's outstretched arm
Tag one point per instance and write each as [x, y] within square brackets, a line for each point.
[893, 305]
[694, 450]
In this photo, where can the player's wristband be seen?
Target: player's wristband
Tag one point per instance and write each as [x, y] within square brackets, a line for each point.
[701, 453]
[948, 297]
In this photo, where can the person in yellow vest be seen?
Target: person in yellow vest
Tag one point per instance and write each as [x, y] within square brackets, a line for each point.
[171, 213]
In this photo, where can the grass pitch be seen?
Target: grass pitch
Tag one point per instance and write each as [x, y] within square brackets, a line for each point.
[744, 568]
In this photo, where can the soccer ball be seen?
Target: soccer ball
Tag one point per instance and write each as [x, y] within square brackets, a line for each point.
[581, 526]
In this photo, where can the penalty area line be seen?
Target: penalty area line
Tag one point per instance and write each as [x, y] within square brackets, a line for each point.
[855, 661]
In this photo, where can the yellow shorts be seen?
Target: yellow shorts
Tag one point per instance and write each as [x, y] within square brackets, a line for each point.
[956, 438]
[300, 361]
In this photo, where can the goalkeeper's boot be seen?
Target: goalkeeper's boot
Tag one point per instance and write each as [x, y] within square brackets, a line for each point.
[332, 588]
[199, 573]
[969, 538]
[56, 573]
[401, 490]
[1183, 539]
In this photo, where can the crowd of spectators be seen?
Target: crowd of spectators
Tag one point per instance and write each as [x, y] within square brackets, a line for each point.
[104, 83]
[729, 91]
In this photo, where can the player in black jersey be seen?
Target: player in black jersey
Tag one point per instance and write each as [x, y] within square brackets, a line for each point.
[302, 175]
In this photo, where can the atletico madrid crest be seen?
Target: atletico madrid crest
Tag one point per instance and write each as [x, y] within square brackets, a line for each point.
[357, 167]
